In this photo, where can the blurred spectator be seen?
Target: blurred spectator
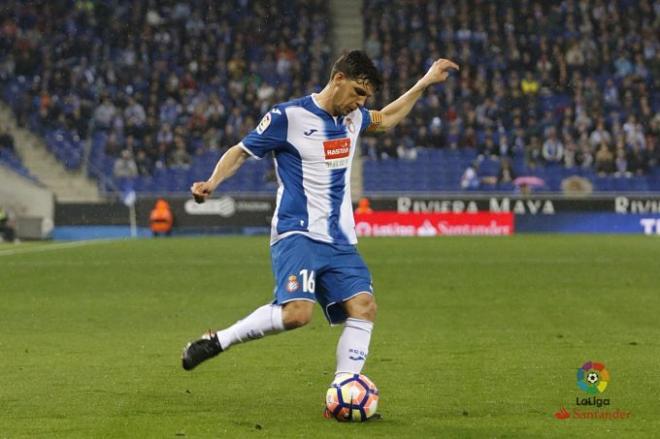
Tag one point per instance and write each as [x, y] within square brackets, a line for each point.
[125, 166]
[503, 148]
[604, 161]
[179, 158]
[611, 95]
[621, 164]
[519, 142]
[623, 65]
[584, 156]
[534, 153]
[634, 132]
[212, 140]
[165, 134]
[436, 139]
[488, 147]
[470, 179]
[553, 149]
[600, 135]
[105, 114]
[144, 163]
[529, 85]
[574, 56]
[638, 162]
[570, 153]
[505, 174]
[112, 145]
[135, 117]
[130, 144]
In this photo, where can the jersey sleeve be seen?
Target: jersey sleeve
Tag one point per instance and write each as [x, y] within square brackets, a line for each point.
[268, 136]
[366, 119]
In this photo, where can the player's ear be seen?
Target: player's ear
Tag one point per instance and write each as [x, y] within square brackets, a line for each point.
[339, 78]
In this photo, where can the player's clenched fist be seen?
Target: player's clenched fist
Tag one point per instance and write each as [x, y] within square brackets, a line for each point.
[200, 190]
[439, 71]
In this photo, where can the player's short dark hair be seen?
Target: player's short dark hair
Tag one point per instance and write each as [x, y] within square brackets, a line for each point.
[357, 65]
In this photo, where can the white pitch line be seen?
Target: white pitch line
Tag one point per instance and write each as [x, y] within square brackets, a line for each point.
[49, 247]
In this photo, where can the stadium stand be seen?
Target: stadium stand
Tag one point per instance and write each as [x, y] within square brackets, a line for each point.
[556, 89]
[8, 156]
[13, 162]
[172, 83]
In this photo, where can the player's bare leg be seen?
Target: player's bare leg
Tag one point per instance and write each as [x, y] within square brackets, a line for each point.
[297, 313]
[267, 320]
[362, 306]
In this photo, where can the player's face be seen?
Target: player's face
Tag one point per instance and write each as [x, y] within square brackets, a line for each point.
[350, 94]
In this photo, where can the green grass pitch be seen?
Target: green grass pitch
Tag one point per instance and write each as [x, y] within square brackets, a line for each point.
[475, 337]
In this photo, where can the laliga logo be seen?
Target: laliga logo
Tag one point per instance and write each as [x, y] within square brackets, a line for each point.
[593, 377]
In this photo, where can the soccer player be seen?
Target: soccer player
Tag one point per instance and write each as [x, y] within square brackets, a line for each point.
[314, 259]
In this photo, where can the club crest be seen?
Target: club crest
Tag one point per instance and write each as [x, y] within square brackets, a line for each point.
[292, 284]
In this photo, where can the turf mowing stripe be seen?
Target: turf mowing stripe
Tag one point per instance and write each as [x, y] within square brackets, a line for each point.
[49, 247]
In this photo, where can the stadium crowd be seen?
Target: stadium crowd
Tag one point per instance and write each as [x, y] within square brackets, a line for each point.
[164, 81]
[570, 83]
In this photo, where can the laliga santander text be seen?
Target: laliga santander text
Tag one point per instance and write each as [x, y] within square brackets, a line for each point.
[434, 224]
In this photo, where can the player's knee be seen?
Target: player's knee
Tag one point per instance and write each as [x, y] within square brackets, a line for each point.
[296, 314]
[370, 310]
[362, 307]
[294, 321]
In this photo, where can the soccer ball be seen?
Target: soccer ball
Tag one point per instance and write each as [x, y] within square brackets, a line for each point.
[351, 397]
[592, 377]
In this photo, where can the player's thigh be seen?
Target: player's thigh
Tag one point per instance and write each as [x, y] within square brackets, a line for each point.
[348, 277]
[294, 266]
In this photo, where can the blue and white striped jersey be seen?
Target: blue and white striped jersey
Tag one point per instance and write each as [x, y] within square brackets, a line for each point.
[313, 152]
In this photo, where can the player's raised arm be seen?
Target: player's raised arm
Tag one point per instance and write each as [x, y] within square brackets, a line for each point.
[394, 112]
[265, 138]
[225, 168]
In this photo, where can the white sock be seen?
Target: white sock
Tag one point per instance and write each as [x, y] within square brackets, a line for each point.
[353, 346]
[264, 320]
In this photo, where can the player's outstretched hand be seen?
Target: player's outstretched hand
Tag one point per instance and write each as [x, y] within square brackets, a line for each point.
[200, 191]
[439, 71]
